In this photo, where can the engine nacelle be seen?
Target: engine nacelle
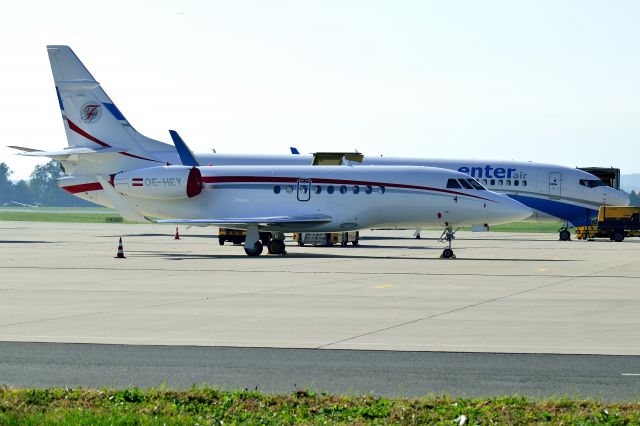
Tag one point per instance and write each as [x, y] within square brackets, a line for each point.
[160, 183]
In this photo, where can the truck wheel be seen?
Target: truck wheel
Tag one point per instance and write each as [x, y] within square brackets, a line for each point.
[565, 235]
[618, 236]
[221, 240]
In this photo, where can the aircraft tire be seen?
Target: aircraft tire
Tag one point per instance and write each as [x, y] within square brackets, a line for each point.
[276, 247]
[255, 251]
[447, 253]
[565, 235]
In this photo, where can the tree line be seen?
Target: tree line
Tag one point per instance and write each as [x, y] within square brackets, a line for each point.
[40, 189]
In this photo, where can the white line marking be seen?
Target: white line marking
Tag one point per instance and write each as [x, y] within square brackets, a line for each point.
[631, 374]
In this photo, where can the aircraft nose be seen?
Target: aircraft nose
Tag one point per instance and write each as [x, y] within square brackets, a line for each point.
[620, 198]
[509, 210]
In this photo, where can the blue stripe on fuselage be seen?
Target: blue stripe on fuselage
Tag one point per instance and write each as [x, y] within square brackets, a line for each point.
[577, 215]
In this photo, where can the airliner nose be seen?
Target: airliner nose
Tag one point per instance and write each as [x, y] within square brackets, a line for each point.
[620, 198]
[510, 210]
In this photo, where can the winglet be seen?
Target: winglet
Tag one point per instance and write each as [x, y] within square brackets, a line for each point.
[294, 150]
[186, 156]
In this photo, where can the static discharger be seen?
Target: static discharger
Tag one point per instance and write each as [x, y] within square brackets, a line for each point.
[120, 254]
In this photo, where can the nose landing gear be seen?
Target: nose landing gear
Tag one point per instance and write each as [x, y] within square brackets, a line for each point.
[448, 235]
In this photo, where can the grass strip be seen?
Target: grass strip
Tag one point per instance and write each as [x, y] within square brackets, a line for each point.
[206, 405]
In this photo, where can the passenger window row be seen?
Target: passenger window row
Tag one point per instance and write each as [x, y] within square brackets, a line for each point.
[504, 182]
[330, 189]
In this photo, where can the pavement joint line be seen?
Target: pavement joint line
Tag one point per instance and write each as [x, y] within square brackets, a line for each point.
[473, 305]
[89, 314]
[425, 274]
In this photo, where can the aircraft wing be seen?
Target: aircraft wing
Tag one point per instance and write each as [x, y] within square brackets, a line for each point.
[63, 153]
[242, 222]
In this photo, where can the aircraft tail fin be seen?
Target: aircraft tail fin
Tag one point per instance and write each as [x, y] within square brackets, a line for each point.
[92, 120]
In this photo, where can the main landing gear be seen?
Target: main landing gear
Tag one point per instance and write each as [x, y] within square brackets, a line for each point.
[254, 245]
[448, 235]
[564, 233]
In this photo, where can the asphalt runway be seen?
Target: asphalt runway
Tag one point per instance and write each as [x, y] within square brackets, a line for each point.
[505, 293]
[383, 373]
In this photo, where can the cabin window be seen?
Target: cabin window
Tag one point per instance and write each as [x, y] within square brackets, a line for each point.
[330, 189]
[508, 182]
[493, 182]
[276, 189]
[368, 189]
[524, 183]
[453, 183]
[381, 189]
[516, 182]
[592, 183]
[465, 184]
[343, 189]
[500, 182]
[475, 184]
[317, 189]
[484, 182]
[355, 189]
[289, 189]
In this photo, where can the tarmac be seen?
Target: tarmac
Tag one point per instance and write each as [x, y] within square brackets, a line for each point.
[505, 292]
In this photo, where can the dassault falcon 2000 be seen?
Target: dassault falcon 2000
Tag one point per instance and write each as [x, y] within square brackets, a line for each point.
[106, 154]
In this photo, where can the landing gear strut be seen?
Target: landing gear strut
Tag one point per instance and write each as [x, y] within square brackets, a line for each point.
[448, 235]
[252, 244]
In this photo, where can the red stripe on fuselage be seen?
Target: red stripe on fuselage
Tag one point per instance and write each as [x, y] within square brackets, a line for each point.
[261, 179]
[83, 187]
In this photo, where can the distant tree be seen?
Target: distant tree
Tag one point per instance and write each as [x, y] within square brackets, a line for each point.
[6, 186]
[634, 198]
[21, 193]
[43, 182]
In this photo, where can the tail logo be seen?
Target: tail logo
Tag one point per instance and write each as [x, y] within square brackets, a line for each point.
[90, 112]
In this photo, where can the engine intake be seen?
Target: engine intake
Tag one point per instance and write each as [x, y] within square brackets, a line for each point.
[160, 183]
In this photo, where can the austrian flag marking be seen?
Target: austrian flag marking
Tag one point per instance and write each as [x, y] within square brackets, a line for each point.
[136, 182]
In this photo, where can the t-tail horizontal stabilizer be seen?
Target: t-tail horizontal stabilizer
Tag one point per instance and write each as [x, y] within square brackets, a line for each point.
[186, 156]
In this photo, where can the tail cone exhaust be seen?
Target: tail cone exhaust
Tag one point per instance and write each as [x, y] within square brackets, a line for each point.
[120, 254]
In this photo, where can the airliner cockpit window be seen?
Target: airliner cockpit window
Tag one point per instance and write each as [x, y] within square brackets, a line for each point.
[475, 184]
[592, 183]
[453, 183]
[465, 184]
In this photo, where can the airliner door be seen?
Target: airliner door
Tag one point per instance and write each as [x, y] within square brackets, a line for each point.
[304, 189]
[555, 185]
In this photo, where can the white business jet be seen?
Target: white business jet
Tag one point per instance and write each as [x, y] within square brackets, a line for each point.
[108, 156]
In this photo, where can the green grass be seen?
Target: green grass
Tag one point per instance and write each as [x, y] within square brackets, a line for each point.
[59, 217]
[542, 227]
[206, 406]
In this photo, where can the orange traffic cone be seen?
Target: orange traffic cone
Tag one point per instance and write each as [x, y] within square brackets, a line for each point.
[177, 237]
[120, 254]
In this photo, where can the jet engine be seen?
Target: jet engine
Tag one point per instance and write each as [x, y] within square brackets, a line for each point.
[160, 183]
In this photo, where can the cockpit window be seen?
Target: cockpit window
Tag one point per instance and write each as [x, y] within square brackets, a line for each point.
[475, 184]
[465, 184]
[592, 183]
[453, 183]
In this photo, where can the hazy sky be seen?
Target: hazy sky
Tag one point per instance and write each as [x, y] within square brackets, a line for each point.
[551, 81]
